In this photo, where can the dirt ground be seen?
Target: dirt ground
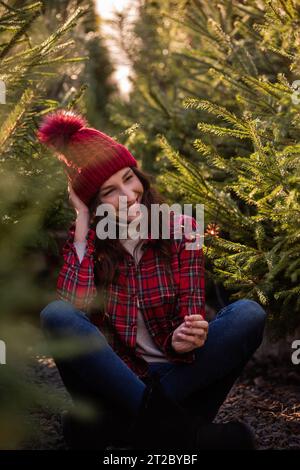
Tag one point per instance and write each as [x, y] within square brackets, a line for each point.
[266, 396]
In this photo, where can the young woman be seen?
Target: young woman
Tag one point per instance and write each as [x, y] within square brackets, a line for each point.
[156, 367]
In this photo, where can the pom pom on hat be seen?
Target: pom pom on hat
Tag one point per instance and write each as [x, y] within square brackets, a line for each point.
[58, 128]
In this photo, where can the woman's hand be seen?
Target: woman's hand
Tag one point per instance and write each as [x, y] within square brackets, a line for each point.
[190, 334]
[83, 215]
[78, 205]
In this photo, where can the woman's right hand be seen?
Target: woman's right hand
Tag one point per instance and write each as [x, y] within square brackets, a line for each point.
[78, 205]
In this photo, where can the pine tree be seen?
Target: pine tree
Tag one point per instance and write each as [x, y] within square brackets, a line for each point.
[154, 103]
[216, 81]
[31, 189]
[250, 189]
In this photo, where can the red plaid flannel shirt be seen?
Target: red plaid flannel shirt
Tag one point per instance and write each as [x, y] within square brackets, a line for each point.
[164, 298]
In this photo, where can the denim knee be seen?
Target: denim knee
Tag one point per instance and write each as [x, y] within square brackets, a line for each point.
[56, 313]
[252, 319]
[253, 311]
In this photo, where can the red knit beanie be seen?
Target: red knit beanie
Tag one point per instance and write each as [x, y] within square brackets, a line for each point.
[90, 157]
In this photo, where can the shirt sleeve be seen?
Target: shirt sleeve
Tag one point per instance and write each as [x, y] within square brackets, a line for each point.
[191, 292]
[75, 281]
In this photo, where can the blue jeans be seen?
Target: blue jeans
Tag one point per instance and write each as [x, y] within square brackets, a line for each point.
[100, 375]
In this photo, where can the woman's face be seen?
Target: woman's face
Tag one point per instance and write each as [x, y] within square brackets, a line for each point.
[122, 183]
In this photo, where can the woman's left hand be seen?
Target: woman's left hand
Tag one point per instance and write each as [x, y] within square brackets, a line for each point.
[193, 331]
